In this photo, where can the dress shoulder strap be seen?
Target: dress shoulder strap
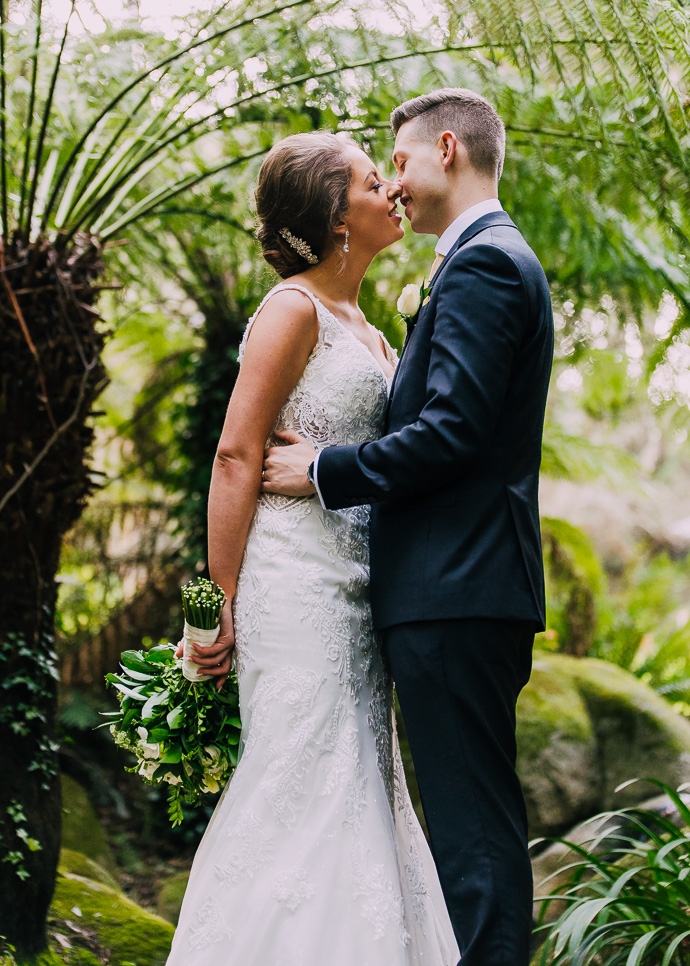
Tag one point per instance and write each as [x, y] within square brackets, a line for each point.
[282, 287]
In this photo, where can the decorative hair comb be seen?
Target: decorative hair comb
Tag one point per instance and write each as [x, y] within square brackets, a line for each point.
[299, 245]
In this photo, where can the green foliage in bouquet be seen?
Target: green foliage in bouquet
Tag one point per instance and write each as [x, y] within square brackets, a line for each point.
[183, 734]
[628, 898]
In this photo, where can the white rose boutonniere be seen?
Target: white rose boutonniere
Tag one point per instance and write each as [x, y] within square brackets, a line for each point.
[410, 300]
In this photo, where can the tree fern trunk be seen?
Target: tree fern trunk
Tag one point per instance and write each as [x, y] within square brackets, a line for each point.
[50, 374]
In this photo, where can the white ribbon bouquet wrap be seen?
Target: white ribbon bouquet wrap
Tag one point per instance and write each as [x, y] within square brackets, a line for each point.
[202, 636]
[202, 604]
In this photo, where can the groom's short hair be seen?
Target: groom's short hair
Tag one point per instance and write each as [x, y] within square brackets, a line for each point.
[468, 115]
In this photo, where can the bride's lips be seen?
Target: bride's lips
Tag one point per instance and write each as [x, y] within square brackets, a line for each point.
[394, 215]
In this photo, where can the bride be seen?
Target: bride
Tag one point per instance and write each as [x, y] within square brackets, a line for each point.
[314, 856]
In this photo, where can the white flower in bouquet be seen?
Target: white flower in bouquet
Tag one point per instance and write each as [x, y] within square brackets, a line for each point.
[147, 769]
[408, 300]
[145, 749]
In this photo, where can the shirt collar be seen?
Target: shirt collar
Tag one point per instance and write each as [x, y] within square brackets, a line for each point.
[463, 221]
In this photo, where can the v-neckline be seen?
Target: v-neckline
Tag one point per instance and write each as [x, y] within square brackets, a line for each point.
[388, 379]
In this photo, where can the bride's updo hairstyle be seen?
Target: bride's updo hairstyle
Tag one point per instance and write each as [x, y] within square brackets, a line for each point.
[301, 191]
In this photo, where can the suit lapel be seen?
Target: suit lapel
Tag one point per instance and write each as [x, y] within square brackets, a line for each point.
[490, 220]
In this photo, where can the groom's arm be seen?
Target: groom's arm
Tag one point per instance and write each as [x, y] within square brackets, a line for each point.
[479, 324]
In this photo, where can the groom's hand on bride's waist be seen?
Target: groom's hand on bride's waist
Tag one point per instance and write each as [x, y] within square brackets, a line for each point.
[285, 467]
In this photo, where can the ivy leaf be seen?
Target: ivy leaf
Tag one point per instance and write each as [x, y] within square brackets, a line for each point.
[173, 757]
[133, 662]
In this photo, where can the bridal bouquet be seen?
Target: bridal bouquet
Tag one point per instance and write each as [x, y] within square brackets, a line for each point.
[183, 731]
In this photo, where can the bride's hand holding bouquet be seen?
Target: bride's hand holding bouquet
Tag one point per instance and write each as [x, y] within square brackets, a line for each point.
[206, 654]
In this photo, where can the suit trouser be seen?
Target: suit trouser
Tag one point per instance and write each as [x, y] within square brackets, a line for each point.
[457, 683]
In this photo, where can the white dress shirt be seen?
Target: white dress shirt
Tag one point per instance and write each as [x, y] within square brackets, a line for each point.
[443, 246]
[463, 221]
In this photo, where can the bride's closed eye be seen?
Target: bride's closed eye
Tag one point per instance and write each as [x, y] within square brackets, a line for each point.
[377, 185]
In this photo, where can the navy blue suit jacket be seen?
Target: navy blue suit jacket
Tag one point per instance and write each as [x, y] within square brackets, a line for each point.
[453, 483]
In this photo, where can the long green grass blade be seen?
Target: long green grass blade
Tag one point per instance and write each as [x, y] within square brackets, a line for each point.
[670, 952]
[605, 937]
[145, 207]
[68, 195]
[139, 78]
[138, 175]
[636, 954]
[47, 112]
[30, 114]
[45, 182]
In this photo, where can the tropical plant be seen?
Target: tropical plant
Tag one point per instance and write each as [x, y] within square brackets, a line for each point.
[646, 628]
[628, 897]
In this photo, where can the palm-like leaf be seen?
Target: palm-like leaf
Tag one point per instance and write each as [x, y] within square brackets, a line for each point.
[628, 898]
[618, 74]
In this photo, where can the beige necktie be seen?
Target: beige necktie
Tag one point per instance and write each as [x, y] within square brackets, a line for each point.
[434, 267]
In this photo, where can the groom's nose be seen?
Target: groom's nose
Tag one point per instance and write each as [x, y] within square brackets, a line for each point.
[394, 190]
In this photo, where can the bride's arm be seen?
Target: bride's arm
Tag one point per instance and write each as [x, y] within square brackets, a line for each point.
[278, 347]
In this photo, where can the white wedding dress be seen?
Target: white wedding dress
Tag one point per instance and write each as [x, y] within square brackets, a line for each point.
[314, 855]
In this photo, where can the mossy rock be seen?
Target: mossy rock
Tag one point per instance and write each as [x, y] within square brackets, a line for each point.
[586, 726]
[639, 735]
[557, 750]
[77, 863]
[81, 829]
[171, 895]
[106, 925]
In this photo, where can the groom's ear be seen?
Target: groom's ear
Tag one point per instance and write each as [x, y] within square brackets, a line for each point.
[450, 148]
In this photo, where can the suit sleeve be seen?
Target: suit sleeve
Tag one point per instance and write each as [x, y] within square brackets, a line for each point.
[479, 323]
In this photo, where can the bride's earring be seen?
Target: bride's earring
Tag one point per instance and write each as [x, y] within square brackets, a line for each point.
[346, 246]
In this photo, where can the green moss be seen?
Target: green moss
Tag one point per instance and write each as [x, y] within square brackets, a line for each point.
[132, 935]
[48, 958]
[585, 727]
[557, 751]
[574, 584]
[81, 829]
[611, 692]
[639, 735]
[171, 895]
[551, 705]
[82, 865]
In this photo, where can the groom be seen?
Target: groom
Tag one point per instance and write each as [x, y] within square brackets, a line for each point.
[456, 568]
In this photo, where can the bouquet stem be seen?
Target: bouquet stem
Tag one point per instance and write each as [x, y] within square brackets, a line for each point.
[204, 637]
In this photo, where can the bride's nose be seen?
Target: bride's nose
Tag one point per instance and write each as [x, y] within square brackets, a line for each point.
[393, 190]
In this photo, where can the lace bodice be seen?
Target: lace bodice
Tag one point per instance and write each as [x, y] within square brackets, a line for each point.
[342, 395]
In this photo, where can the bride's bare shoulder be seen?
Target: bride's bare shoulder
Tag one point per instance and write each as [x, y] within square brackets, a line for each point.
[289, 301]
[286, 316]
